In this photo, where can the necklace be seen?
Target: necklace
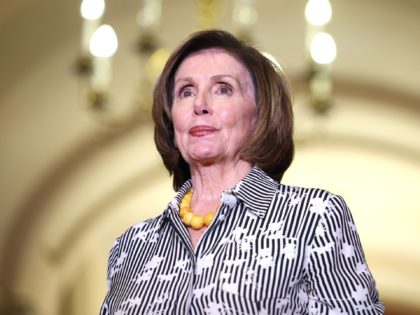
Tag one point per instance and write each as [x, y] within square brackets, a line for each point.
[196, 221]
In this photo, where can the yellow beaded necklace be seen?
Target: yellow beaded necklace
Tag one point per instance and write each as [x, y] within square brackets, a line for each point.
[196, 221]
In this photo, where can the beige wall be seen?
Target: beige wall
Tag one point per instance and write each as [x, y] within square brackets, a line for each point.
[68, 188]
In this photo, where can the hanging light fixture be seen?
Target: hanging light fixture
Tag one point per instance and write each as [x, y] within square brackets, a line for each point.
[318, 12]
[92, 12]
[103, 45]
[148, 19]
[99, 43]
[321, 51]
[244, 17]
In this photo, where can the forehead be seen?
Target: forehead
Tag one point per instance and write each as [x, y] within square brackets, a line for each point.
[212, 60]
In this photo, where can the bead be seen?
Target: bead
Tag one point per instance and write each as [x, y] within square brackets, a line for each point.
[208, 218]
[183, 211]
[185, 202]
[197, 221]
[187, 218]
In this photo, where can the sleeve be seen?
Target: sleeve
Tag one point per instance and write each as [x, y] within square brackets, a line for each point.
[112, 268]
[339, 279]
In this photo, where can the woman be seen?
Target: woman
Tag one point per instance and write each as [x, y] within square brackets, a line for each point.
[234, 240]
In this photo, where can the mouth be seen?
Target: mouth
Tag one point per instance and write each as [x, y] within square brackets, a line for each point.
[201, 130]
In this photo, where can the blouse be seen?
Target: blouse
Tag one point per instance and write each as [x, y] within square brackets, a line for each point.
[271, 249]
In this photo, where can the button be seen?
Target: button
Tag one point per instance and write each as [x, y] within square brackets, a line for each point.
[229, 200]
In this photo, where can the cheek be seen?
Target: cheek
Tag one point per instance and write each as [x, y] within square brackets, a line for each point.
[178, 119]
[249, 117]
[243, 117]
[228, 118]
[240, 126]
[253, 119]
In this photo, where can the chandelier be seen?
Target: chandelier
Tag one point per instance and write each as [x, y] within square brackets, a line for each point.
[99, 43]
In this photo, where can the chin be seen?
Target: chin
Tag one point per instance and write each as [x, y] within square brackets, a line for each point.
[206, 158]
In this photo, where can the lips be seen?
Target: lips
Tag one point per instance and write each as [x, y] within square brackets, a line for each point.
[201, 130]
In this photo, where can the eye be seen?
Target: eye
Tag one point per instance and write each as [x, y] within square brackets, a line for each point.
[185, 91]
[224, 89]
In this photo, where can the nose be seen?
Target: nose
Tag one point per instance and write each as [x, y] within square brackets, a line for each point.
[201, 105]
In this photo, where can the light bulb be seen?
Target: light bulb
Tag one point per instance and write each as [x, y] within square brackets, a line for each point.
[318, 12]
[104, 42]
[323, 48]
[92, 9]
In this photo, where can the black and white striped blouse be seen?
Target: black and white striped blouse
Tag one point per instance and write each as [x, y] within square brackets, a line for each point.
[271, 249]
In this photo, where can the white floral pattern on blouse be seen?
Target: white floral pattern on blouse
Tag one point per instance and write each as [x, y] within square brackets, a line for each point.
[271, 249]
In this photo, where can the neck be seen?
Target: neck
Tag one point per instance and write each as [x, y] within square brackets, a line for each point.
[210, 181]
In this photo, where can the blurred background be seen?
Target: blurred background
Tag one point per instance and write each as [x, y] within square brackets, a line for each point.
[78, 163]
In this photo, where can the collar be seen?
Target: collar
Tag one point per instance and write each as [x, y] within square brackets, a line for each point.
[256, 191]
[173, 206]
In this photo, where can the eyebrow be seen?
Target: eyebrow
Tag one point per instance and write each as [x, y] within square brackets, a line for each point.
[218, 77]
[213, 78]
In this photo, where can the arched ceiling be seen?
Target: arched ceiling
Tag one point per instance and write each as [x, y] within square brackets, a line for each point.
[45, 126]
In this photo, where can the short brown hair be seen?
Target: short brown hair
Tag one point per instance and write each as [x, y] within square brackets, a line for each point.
[270, 147]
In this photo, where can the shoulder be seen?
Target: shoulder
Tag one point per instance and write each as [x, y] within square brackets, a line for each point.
[140, 231]
[284, 188]
[316, 200]
[304, 193]
[147, 230]
[133, 239]
[136, 234]
[289, 198]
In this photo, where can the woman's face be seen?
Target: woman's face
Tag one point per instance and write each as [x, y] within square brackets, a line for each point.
[214, 108]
